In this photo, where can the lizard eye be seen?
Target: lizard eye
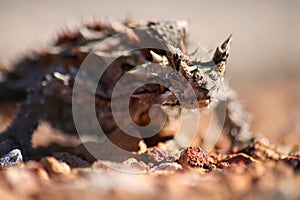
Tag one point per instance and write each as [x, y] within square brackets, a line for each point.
[197, 76]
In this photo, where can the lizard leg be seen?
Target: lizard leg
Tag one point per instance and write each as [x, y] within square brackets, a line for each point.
[237, 120]
[18, 134]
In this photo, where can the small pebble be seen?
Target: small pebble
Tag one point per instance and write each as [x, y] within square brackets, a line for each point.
[194, 157]
[53, 166]
[14, 157]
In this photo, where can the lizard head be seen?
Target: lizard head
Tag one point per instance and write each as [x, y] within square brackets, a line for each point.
[206, 78]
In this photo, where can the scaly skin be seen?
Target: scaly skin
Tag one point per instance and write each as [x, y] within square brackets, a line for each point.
[43, 83]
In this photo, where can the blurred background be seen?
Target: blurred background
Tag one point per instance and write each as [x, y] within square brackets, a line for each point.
[264, 62]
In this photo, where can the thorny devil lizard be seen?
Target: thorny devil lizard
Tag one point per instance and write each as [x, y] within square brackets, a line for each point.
[43, 83]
